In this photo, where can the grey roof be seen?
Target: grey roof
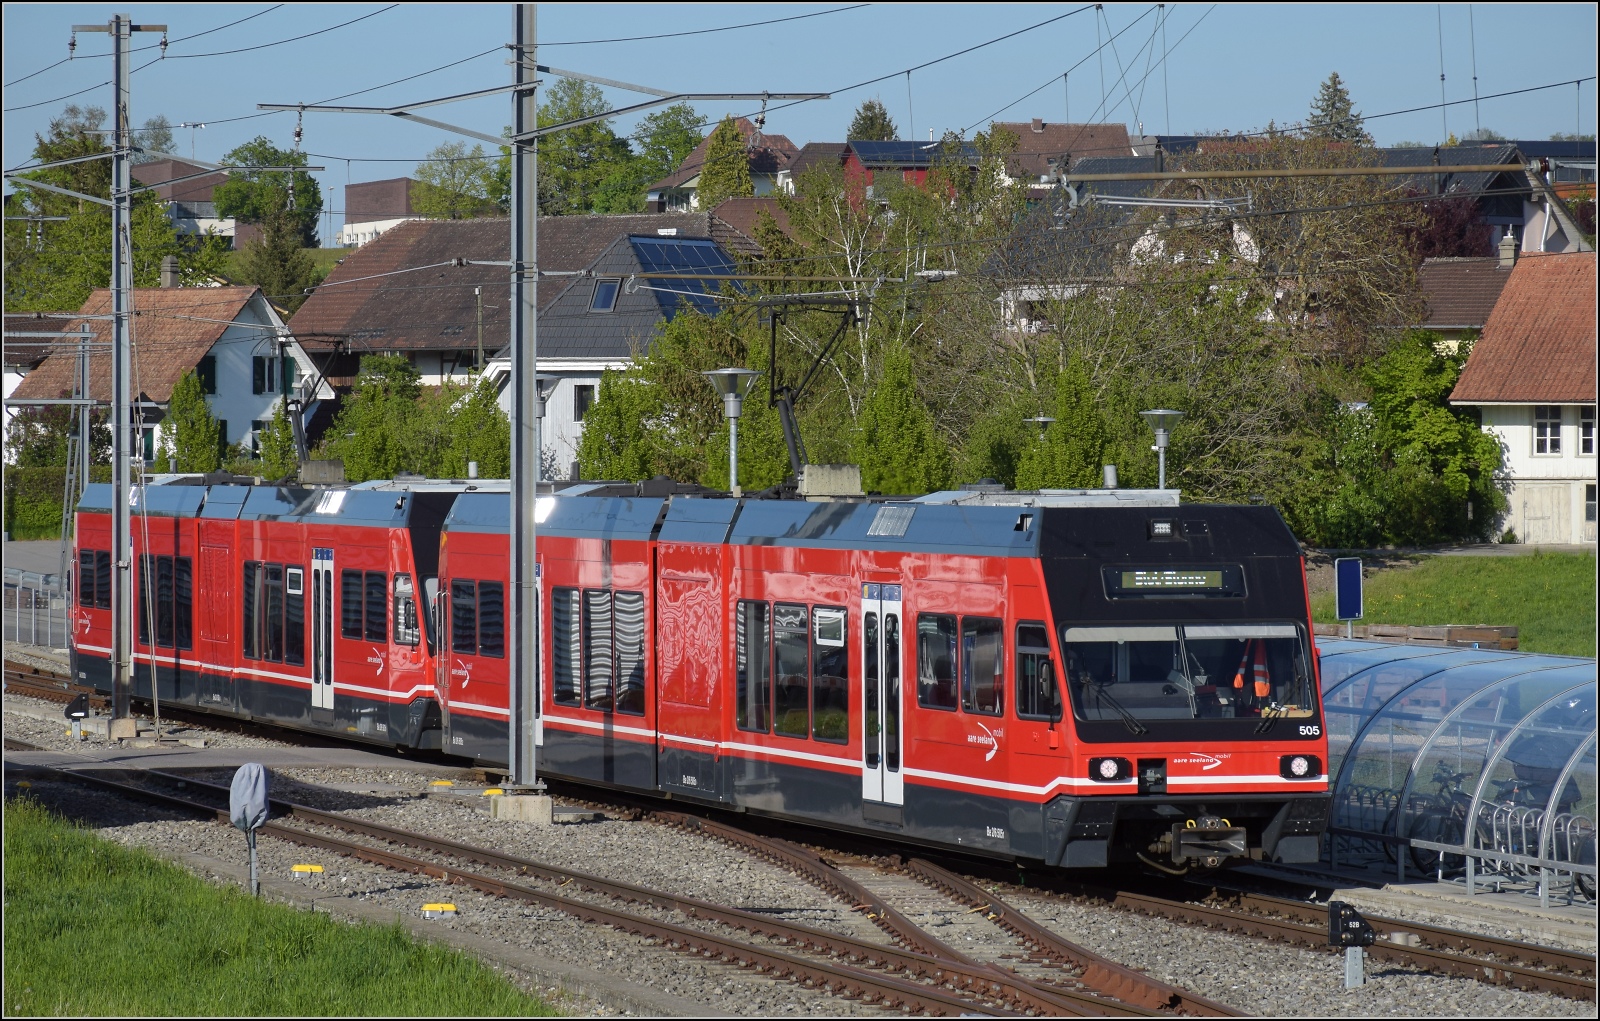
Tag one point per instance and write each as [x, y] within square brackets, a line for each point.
[570, 328]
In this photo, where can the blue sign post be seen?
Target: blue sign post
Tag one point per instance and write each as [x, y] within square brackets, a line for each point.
[1347, 592]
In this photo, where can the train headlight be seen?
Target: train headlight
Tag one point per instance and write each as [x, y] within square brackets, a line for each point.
[1110, 770]
[1299, 767]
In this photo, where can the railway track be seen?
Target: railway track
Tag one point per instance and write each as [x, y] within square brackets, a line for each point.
[1105, 985]
[905, 978]
[1103, 977]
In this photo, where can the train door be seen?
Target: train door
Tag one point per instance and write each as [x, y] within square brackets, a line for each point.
[322, 615]
[882, 779]
[216, 626]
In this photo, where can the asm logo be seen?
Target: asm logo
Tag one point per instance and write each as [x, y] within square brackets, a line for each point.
[1204, 761]
[376, 659]
[990, 738]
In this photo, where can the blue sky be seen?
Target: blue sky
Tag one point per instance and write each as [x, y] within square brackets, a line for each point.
[1232, 67]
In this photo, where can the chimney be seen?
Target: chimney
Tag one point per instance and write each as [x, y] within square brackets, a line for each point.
[1038, 126]
[169, 271]
[1508, 250]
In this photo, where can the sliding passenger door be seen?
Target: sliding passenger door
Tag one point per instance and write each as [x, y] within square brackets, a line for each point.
[322, 616]
[882, 779]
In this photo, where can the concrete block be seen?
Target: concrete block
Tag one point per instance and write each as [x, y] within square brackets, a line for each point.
[534, 808]
[124, 728]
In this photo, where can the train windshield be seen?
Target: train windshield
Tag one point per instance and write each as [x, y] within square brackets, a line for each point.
[1191, 672]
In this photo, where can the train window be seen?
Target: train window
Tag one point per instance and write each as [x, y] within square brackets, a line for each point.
[492, 619]
[830, 676]
[936, 660]
[983, 681]
[144, 610]
[869, 689]
[753, 664]
[464, 616]
[350, 604]
[1241, 669]
[164, 608]
[377, 606]
[183, 602]
[565, 651]
[629, 610]
[85, 577]
[272, 588]
[891, 690]
[102, 579]
[597, 653]
[248, 598]
[791, 637]
[1038, 695]
[294, 616]
[406, 629]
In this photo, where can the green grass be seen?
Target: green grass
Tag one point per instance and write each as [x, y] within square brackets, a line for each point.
[95, 928]
[1549, 597]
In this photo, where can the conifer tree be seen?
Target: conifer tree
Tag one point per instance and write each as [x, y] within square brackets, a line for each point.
[276, 263]
[872, 123]
[1334, 117]
[896, 445]
[726, 173]
[1071, 453]
[195, 434]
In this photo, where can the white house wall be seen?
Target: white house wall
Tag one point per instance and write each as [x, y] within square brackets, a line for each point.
[1546, 503]
[561, 430]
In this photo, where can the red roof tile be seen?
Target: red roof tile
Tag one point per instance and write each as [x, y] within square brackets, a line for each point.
[173, 328]
[1539, 343]
[1461, 292]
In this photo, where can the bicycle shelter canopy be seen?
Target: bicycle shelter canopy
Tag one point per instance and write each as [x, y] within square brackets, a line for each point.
[1422, 739]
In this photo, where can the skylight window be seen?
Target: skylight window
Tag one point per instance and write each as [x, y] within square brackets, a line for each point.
[605, 294]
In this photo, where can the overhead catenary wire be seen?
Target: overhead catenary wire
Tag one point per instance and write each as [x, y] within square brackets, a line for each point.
[703, 31]
[137, 49]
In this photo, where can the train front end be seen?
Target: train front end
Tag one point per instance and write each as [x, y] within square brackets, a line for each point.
[1184, 637]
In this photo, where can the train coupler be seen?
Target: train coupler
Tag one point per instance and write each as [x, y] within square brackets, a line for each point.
[1208, 839]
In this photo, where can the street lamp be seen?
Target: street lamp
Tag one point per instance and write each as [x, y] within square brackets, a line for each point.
[546, 386]
[1161, 420]
[732, 384]
[191, 125]
[1042, 421]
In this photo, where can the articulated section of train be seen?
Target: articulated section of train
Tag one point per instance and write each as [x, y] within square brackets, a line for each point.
[1073, 679]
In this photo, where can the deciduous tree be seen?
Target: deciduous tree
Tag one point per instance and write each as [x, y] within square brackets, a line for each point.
[279, 458]
[453, 183]
[256, 196]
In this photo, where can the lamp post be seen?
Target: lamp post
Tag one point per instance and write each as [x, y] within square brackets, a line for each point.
[1161, 420]
[547, 386]
[732, 384]
[1043, 422]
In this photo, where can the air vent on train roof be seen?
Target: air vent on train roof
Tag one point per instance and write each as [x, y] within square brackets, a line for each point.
[891, 520]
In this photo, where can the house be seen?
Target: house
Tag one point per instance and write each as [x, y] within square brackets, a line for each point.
[602, 318]
[1460, 293]
[438, 291]
[678, 192]
[1043, 146]
[372, 207]
[908, 161]
[30, 338]
[1531, 375]
[230, 336]
[186, 190]
[812, 154]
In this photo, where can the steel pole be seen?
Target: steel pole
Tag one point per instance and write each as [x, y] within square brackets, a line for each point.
[522, 757]
[122, 439]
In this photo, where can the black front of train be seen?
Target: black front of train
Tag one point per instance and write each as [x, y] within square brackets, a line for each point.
[1188, 668]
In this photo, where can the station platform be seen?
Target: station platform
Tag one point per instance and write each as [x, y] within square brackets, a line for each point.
[1517, 914]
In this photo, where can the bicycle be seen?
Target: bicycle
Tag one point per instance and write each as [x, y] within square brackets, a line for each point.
[1440, 818]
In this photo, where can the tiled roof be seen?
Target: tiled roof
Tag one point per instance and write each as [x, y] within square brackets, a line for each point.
[436, 309]
[1039, 141]
[771, 156]
[813, 154]
[1539, 343]
[1461, 292]
[740, 217]
[569, 329]
[28, 352]
[166, 342]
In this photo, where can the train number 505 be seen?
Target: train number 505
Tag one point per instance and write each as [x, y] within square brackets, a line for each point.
[1311, 731]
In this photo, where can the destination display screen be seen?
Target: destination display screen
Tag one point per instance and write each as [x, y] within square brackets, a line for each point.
[1211, 580]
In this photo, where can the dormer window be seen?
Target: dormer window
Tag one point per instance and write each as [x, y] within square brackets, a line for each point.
[605, 294]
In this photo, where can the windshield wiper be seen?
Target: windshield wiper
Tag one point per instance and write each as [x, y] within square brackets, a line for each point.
[1128, 719]
[1270, 717]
